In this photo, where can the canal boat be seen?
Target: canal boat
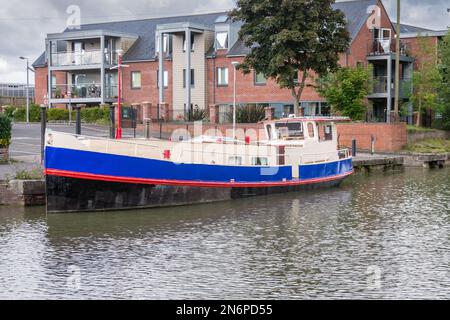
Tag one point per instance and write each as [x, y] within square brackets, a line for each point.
[91, 173]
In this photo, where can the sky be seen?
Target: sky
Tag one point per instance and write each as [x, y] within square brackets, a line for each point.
[25, 23]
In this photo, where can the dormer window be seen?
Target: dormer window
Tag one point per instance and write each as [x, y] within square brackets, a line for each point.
[221, 40]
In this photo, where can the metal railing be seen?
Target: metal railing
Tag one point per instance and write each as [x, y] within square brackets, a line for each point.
[83, 58]
[82, 91]
[386, 46]
[380, 85]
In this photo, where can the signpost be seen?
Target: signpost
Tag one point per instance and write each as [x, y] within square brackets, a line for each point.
[119, 94]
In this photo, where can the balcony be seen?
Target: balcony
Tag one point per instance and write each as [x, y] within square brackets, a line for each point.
[82, 93]
[386, 46]
[83, 58]
[380, 87]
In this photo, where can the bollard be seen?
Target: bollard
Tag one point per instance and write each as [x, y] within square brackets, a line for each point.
[148, 132]
[372, 142]
[78, 119]
[353, 147]
[112, 121]
[43, 129]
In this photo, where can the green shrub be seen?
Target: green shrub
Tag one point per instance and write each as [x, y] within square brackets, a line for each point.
[57, 114]
[248, 114]
[197, 114]
[20, 114]
[5, 131]
[95, 115]
[33, 174]
[9, 110]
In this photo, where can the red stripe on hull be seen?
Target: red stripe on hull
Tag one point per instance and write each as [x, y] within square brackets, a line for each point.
[90, 176]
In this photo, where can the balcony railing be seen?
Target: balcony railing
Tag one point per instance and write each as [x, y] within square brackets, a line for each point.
[380, 86]
[82, 58]
[381, 47]
[83, 91]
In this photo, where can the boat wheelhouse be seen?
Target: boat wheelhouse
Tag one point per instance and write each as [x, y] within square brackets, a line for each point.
[91, 173]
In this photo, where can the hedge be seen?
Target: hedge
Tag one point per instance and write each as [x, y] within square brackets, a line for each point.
[88, 115]
[5, 131]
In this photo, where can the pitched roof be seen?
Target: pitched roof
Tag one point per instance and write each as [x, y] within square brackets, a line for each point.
[355, 13]
[144, 48]
[406, 28]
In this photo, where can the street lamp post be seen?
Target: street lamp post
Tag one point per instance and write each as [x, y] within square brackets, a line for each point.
[235, 64]
[28, 87]
[119, 93]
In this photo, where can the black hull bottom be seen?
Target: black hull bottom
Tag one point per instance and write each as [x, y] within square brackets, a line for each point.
[74, 195]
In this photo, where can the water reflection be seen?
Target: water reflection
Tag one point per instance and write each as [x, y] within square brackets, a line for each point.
[302, 245]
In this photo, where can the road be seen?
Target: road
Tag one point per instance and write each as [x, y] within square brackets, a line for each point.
[26, 138]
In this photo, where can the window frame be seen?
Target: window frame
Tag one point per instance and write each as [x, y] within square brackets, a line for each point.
[217, 43]
[165, 80]
[255, 82]
[255, 161]
[133, 87]
[227, 77]
[192, 78]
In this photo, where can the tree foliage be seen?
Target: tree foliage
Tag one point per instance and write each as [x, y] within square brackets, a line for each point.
[444, 88]
[346, 91]
[291, 36]
[426, 79]
[5, 131]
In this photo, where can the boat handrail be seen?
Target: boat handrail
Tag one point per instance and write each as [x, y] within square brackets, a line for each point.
[124, 141]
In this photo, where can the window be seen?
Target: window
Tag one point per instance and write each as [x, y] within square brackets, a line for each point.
[166, 43]
[269, 131]
[222, 77]
[259, 78]
[165, 80]
[289, 130]
[310, 130]
[192, 78]
[236, 161]
[192, 42]
[135, 80]
[260, 161]
[326, 132]
[53, 82]
[222, 40]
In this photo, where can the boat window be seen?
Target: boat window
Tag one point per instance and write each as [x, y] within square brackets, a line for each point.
[311, 130]
[236, 161]
[260, 161]
[326, 132]
[289, 130]
[269, 131]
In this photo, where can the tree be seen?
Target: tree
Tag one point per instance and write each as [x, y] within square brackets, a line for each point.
[346, 91]
[444, 88]
[291, 36]
[426, 79]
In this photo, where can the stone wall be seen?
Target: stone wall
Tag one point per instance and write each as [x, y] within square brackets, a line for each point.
[414, 137]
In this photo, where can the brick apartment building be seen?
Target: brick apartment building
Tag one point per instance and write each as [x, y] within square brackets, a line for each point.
[81, 62]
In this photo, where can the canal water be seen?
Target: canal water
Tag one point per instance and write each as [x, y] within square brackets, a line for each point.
[378, 236]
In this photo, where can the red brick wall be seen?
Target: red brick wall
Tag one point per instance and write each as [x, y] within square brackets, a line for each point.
[361, 44]
[149, 88]
[389, 137]
[414, 47]
[40, 83]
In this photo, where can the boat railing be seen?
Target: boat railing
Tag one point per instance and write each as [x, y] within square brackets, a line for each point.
[110, 143]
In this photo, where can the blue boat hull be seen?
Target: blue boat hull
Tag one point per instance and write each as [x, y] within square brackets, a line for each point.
[88, 181]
